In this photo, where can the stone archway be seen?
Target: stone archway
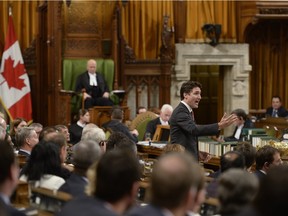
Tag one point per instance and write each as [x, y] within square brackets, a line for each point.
[236, 74]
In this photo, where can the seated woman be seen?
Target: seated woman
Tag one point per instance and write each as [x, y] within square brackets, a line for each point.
[76, 129]
[15, 125]
[44, 166]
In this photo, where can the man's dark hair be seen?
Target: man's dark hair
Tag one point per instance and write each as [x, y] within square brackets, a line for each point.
[121, 141]
[240, 113]
[45, 131]
[276, 96]
[248, 151]
[117, 171]
[188, 86]
[232, 159]
[7, 159]
[139, 108]
[265, 154]
[117, 113]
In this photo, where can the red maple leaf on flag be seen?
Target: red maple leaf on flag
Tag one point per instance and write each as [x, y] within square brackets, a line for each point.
[12, 74]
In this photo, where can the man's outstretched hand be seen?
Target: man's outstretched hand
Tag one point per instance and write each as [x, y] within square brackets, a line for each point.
[227, 120]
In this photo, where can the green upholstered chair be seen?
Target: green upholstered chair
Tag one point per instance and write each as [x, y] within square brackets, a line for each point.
[74, 67]
[140, 123]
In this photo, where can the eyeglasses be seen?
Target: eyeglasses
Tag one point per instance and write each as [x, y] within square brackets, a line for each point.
[102, 143]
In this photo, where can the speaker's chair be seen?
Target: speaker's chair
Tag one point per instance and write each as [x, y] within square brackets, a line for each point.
[72, 68]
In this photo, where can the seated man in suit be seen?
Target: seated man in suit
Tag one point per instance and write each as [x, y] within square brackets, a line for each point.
[242, 122]
[229, 160]
[115, 124]
[163, 119]
[185, 193]
[266, 158]
[8, 179]
[276, 110]
[84, 155]
[27, 138]
[96, 90]
[116, 185]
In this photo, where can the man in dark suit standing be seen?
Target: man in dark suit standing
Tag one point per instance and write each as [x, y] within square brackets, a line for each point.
[96, 90]
[276, 110]
[8, 179]
[184, 129]
[163, 119]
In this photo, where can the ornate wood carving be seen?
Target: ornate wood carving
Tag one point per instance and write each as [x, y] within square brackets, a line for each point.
[29, 57]
[83, 29]
[272, 10]
[81, 19]
[167, 48]
[129, 53]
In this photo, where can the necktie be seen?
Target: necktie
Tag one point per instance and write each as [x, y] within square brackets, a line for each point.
[192, 115]
[275, 113]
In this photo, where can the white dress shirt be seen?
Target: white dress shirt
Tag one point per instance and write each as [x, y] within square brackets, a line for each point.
[92, 79]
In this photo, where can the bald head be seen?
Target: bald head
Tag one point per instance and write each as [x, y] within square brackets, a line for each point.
[91, 66]
[186, 175]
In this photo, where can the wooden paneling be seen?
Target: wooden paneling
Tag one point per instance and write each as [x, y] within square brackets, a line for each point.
[86, 24]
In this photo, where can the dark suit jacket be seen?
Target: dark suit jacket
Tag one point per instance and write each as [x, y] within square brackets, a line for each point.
[8, 210]
[75, 185]
[85, 206]
[20, 152]
[184, 131]
[282, 112]
[260, 175]
[145, 211]
[116, 125]
[83, 82]
[152, 125]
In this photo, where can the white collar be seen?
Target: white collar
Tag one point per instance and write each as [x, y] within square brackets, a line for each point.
[188, 107]
[163, 122]
[80, 124]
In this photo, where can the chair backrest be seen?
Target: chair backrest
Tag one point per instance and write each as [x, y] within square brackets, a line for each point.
[162, 133]
[74, 67]
[140, 123]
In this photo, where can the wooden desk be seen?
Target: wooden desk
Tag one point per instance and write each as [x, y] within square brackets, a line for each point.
[57, 195]
[152, 151]
[273, 126]
[213, 163]
[101, 114]
[280, 123]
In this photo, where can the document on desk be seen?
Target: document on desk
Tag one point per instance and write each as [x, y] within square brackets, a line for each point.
[153, 144]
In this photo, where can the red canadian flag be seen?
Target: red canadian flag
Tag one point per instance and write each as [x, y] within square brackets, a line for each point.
[14, 81]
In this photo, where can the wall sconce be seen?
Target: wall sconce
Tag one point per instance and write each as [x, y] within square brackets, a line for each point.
[213, 32]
